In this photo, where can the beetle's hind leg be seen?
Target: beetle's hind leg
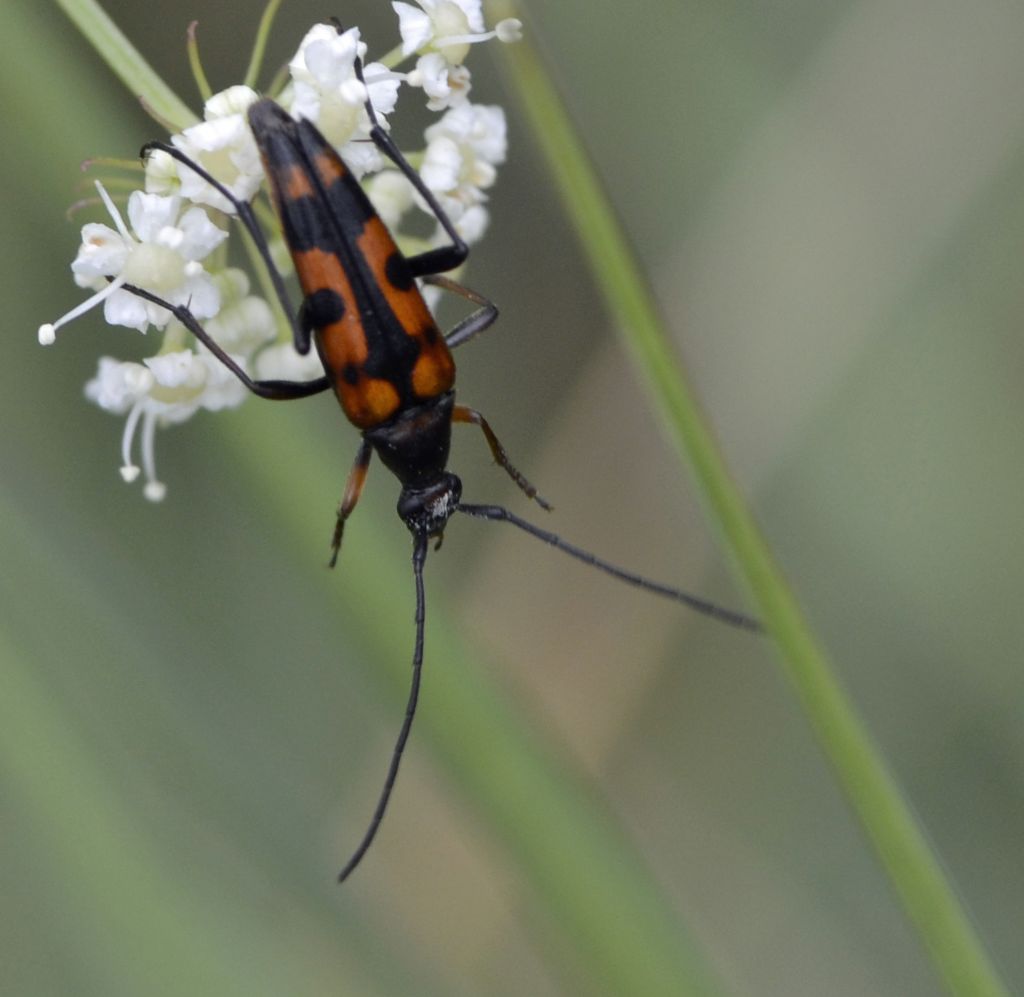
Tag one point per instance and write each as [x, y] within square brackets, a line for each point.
[462, 413]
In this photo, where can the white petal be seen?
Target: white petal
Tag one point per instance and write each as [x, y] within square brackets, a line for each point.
[162, 173]
[414, 26]
[149, 213]
[473, 223]
[329, 70]
[156, 315]
[177, 370]
[243, 325]
[483, 174]
[490, 134]
[362, 158]
[382, 85]
[222, 389]
[118, 384]
[480, 126]
[325, 57]
[431, 73]
[305, 102]
[473, 12]
[201, 296]
[199, 235]
[442, 165]
[125, 308]
[211, 135]
[234, 100]
[283, 362]
[391, 194]
[102, 254]
[224, 148]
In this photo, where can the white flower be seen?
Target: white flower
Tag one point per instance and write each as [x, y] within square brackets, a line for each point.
[436, 21]
[162, 257]
[223, 145]
[282, 362]
[162, 246]
[245, 321]
[462, 151]
[478, 128]
[446, 85]
[325, 62]
[327, 92]
[118, 385]
[472, 224]
[162, 173]
[168, 389]
[391, 194]
[448, 27]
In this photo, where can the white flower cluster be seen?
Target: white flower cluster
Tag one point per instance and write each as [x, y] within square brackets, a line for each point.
[173, 244]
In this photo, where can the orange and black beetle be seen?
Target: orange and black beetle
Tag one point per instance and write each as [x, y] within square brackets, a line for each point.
[383, 355]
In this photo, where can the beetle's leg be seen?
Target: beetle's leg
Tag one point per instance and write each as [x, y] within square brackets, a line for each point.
[472, 325]
[433, 260]
[278, 390]
[462, 413]
[353, 489]
[246, 215]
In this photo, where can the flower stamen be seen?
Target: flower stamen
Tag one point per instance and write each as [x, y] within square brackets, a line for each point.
[508, 30]
[154, 490]
[115, 215]
[48, 331]
[130, 471]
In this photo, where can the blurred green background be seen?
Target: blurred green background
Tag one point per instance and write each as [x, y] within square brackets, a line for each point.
[829, 201]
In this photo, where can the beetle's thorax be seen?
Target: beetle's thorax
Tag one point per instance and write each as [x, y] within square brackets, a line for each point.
[414, 445]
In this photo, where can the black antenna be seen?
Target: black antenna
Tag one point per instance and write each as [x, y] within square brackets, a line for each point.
[419, 556]
[728, 616]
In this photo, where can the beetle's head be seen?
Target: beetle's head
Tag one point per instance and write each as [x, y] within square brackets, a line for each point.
[426, 510]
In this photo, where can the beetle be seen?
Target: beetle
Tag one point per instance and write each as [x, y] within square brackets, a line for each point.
[384, 357]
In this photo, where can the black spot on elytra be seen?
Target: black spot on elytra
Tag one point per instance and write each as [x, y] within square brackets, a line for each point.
[398, 273]
[430, 335]
[350, 373]
[323, 308]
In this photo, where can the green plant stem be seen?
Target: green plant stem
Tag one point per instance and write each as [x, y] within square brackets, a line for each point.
[196, 64]
[126, 62]
[260, 45]
[928, 899]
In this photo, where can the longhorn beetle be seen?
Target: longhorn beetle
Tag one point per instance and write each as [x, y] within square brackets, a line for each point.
[383, 355]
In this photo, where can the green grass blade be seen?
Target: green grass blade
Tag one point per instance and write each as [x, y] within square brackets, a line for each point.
[126, 62]
[915, 872]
